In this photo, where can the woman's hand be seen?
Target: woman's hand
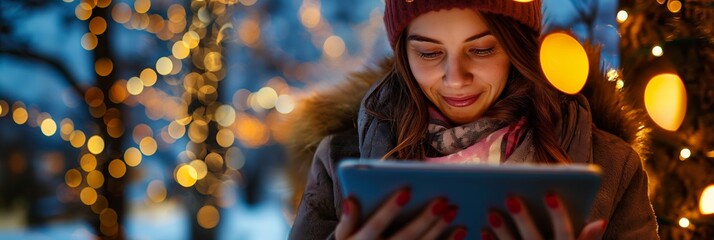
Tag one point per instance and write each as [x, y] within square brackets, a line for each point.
[430, 223]
[562, 228]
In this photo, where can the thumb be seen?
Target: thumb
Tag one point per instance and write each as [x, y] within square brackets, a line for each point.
[594, 230]
[349, 219]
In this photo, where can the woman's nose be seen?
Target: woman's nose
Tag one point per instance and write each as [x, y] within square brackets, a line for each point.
[456, 74]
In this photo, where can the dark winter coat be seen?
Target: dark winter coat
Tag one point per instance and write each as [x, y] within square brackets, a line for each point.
[330, 128]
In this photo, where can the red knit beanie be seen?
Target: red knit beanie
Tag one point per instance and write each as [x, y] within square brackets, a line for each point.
[399, 13]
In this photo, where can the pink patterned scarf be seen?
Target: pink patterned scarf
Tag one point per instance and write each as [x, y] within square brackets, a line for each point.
[482, 141]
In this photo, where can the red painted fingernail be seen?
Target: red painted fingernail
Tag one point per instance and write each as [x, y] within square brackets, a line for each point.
[551, 200]
[345, 207]
[450, 214]
[404, 197]
[494, 220]
[440, 207]
[485, 236]
[513, 205]
[460, 234]
[604, 224]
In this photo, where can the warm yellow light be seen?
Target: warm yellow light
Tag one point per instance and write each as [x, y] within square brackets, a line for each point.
[266, 97]
[176, 130]
[214, 161]
[100, 204]
[249, 31]
[134, 86]
[186, 175]
[225, 115]
[684, 222]
[148, 77]
[666, 101]
[95, 179]
[48, 127]
[250, 131]
[674, 6]
[140, 132]
[94, 97]
[248, 2]
[89, 41]
[103, 3]
[657, 51]
[88, 195]
[180, 50]
[334, 46]
[564, 62]
[200, 167]
[118, 92]
[198, 131]
[176, 13]
[19, 115]
[121, 12]
[104, 67]
[73, 178]
[225, 138]
[132, 157]
[706, 201]
[164, 66]
[117, 168]
[156, 191]
[142, 6]
[4, 108]
[622, 16]
[95, 144]
[83, 11]
[310, 16]
[77, 138]
[97, 25]
[285, 104]
[208, 217]
[88, 162]
[213, 61]
[191, 38]
[115, 128]
[619, 84]
[148, 146]
[684, 154]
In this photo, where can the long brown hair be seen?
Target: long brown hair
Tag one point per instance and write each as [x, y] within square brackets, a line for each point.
[399, 100]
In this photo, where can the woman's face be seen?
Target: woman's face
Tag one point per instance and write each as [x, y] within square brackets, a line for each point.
[459, 65]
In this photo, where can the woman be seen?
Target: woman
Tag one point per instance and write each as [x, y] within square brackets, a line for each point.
[464, 72]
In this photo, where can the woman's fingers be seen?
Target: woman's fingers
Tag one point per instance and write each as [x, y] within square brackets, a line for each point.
[562, 228]
[376, 224]
[498, 226]
[458, 234]
[443, 221]
[424, 221]
[594, 230]
[349, 221]
[522, 218]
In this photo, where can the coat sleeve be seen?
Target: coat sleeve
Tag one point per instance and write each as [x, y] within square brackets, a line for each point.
[633, 217]
[317, 215]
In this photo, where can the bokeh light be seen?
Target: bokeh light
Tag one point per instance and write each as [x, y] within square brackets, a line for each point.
[95, 179]
[73, 178]
[121, 12]
[225, 137]
[564, 62]
[706, 201]
[657, 51]
[214, 162]
[117, 169]
[674, 6]
[198, 131]
[266, 97]
[135, 86]
[104, 67]
[19, 115]
[200, 167]
[285, 104]
[148, 146]
[88, 195]
[622, 16]
[684, 222]
[97, 25]
[148, 77]
[132, 157]
[310, 15]
[48, 127]
[186, 175]
[249, 31]
[142, 6]
[180, 50]
[77, 138]
[666, 101]
[225, 115]
[88, 162]
[213, 61]
[164, 66]
[95, 144]
[334, 46]
[208, 217]
[89, 41]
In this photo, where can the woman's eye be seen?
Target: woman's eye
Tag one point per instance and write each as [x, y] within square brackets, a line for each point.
[481, 52]
[429, 55]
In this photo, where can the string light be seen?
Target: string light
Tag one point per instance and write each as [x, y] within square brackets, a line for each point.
[657, 51]
[684, 154]
[622, 16]
[684, 222]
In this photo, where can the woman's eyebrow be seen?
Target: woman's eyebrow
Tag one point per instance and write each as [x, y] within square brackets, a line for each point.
[419, 38]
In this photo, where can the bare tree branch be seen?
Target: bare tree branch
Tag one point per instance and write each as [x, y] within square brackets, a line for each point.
[54, 63]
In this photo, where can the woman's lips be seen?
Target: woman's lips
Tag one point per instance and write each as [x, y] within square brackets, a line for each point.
[461, 101]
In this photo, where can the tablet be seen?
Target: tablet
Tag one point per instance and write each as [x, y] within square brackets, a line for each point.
[475, 189]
